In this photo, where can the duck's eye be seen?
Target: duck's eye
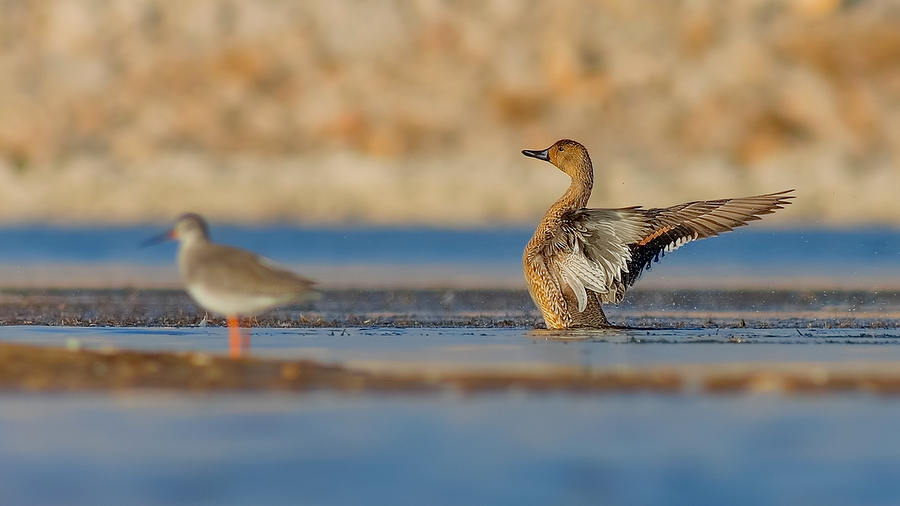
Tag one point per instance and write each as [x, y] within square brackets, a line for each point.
[559, 148]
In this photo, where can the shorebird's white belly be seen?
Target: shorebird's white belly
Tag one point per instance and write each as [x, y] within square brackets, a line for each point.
[232, 303]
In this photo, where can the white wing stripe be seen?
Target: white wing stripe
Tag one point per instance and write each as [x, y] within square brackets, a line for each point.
[600, 268]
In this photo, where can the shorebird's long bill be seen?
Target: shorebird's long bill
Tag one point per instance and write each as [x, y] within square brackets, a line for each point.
[165, 236]
[540, 155]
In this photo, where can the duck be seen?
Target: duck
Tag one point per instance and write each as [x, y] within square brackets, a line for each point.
[231, 281]
[581, 258]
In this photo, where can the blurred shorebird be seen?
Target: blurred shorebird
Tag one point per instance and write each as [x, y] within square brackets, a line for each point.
[581, 258]
[231, 281]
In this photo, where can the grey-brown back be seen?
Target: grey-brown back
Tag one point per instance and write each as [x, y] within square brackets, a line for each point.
[233, 270]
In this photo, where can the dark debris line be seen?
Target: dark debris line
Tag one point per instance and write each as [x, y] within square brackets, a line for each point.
[173, 308]
[461, 308]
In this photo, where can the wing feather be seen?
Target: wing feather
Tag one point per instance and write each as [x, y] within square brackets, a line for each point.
[606, 250]
[592, 249]
[697, 220]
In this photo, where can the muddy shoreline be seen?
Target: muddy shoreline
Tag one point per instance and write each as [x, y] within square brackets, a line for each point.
[42, 368]
[27, 368]
[462, 308]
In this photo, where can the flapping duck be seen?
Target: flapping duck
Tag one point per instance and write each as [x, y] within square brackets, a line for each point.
[581, 258]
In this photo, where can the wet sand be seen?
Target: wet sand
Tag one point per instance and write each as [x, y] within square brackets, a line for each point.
[417, 362]
[445, 308]
[49, 369]
[337, 308]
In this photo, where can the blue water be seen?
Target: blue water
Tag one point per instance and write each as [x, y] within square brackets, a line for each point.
[45, 244]
[496, 348]
[154, 448]
[815, 251]
[337, 449]
[150, 448]
[496, 449]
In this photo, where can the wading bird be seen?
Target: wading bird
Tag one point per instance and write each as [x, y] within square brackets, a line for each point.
[231, 281]
[581, 258]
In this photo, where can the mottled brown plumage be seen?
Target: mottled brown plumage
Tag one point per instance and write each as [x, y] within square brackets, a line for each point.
[581, 258]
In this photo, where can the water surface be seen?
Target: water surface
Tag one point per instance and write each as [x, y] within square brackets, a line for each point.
[464, 258]
[501, 448]
[495, 449]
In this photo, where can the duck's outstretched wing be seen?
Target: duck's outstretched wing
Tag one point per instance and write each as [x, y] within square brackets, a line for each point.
[591, 248]
[676, 226]
[606, 250]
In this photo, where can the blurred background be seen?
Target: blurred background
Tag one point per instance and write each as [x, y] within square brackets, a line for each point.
[375, 146]
[415, 112]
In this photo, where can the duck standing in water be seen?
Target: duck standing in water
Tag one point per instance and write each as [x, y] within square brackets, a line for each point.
[231, 281]
[581, 258]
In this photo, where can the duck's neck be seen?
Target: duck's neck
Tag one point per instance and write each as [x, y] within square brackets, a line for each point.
[575, 198]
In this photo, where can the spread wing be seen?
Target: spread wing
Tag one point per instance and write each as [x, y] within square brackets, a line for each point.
[606, 250]
[593, 249]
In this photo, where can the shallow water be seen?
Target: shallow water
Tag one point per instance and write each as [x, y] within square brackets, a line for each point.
[490, 348]
[496, 449]
[513, 447]
[500, 448]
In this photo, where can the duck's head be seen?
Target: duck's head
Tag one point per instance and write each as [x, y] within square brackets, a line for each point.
[188, 228]
[569, 156]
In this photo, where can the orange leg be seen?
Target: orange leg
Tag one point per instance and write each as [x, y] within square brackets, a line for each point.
[234, 337]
